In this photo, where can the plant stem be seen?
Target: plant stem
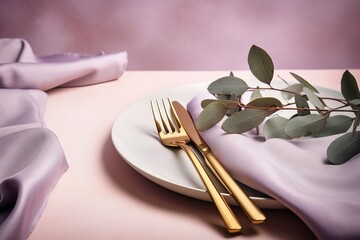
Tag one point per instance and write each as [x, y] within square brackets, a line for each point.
[296, 109]
[292, 92]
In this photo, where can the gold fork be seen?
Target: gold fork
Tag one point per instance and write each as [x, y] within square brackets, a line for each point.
[177, 137]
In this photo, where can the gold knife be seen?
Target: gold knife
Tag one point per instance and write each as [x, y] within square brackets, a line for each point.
[251, 210]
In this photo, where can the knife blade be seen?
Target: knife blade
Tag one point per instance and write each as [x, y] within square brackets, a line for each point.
[251, 210]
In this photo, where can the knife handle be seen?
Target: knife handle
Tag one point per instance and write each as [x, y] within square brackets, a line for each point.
[229, 218]
[251, 210]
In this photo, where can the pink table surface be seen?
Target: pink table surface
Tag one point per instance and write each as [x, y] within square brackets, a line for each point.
[101, 197]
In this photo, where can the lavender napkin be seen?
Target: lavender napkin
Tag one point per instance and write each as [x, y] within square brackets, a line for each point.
[296, 173]
[31, 157]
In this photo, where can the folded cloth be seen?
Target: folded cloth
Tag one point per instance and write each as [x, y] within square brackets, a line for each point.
[20, 68]
[31, 157]
[296, 173]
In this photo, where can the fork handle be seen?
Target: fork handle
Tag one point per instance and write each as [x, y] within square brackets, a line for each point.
[231, 222]
[251, 210]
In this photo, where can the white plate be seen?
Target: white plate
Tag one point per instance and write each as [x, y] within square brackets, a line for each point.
[135, 138]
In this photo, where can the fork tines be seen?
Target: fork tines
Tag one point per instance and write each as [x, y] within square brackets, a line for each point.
[163, 113]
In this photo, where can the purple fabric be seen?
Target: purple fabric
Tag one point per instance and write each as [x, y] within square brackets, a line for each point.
[31, 157]
[296, 173]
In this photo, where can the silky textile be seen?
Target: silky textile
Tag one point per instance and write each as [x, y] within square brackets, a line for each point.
[31, 157]
[296, 173]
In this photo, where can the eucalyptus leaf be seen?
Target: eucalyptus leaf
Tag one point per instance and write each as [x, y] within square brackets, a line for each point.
[228, 85]
[314, 99]
[232, 110]
[211, 115]
[301, 126]
[265, 102]
[355, 102]
[349, 87]
[282, 79]
[256, 94]
[223, 96]
[357, 121]
[344, 148]
[275, 128]
[244, 121]
[302, 105]
[227, 103]
[295, 88]
[206, 102]
[261, 64]
[335, 125]
[304, 82]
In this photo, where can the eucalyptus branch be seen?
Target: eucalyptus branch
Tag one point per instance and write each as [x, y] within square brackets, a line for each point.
[313, 116]
[243, 106]
[343, 101]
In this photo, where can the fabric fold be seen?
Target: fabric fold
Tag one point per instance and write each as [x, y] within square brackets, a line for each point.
[31, 157]
[27, 71]
[37, 163]
[296, 173]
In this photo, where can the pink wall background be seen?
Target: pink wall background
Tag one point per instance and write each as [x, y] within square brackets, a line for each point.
[192, 35]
